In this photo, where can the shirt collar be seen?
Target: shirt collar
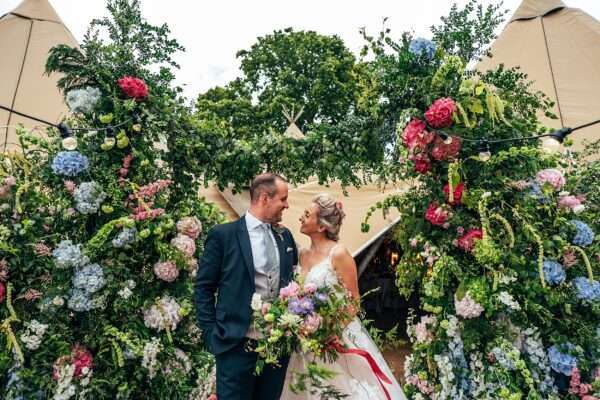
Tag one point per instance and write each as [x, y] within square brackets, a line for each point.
[252, 222]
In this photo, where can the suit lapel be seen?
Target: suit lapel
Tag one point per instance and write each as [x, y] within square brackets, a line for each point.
[245, 246]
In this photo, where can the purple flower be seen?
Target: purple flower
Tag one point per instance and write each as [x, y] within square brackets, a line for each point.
[587, 290]
[322, 297]
[300, 306]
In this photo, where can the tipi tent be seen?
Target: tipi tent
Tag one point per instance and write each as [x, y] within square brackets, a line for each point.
[26, 35]
[559, 48]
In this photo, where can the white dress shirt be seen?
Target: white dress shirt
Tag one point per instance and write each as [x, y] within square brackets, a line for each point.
[259, 253]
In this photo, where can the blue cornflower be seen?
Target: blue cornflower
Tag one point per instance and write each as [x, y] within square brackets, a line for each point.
[584, 236]
[554, 272]
[561, 362]
[587, 290]
[70, 163]
[422, 47]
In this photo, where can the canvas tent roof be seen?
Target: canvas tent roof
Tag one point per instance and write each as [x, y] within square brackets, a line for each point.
[26, 35]
[356, 205]
[559, 48]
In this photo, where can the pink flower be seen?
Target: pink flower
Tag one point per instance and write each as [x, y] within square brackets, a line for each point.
[292, 289]
[311, 323]
[265, 308]
[467, 307]
[570, 202]
[123, 172]
[212, 397]
[467, 242]
[82, 358]
[519, 185]
[310, 288]
[442, 151]
[70, 186]
[143, 215]
[127, 160]
[185, 244]
[436, 214]
[42, 250]
[422, 163]
[422, 333]
[440, 113]
[460, 231]
[190, 226]
[166, 271]
[133, 87]
[415, 137]
[414, 242]
[458, 192]
[551, 176]
[2, 292]
[10, 181]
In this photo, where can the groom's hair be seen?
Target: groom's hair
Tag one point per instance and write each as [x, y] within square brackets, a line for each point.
[264, 183]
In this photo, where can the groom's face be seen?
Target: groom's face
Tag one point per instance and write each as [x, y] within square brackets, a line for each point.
[275, 205]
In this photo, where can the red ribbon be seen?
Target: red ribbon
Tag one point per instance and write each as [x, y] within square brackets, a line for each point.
[379, 374]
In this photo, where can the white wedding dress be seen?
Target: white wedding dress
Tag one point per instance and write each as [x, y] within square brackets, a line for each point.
[354, 376]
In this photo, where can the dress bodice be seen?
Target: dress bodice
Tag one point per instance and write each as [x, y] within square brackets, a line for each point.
[323, 273]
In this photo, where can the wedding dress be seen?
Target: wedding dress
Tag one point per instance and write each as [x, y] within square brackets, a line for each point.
[354, 376]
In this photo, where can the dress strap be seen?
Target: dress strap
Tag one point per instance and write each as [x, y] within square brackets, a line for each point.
[331, 251]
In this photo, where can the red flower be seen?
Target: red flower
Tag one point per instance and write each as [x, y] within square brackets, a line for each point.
[2, 292]
[422, 163]
[440, 113]
[467, 242]
[82, 358]
[458, 191]
[436, 214]
[442, 151]
[415, 136]
[133, 87]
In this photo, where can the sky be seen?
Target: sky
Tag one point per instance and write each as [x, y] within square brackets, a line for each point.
[212, 32]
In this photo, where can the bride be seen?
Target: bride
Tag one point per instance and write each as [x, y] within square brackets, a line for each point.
[328, 262]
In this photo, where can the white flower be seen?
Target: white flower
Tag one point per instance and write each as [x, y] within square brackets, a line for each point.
[579, 209]
[507, 299]
[130, 284]
[149, 361]
[256, 302]
[58, 301]
[486, 195]
[32, 336]
[125, 293]
[290, 320]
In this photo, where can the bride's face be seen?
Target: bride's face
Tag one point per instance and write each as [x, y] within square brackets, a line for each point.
[309, 221]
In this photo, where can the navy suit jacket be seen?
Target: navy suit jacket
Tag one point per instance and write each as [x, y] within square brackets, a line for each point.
[225, 283]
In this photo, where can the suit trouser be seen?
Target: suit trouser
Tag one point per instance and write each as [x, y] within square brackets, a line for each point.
[236, 379]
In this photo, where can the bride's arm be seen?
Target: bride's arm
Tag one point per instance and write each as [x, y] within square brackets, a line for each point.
[345, 267]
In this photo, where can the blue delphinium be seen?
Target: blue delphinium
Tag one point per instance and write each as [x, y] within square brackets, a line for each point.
[561, 362]
[70, 163]
[89, 278]
[584, 236]
[587, 290]
[554, 272]
[125, 237]
[83, 100]
[88, 197]
[422, 47]
[68, 255]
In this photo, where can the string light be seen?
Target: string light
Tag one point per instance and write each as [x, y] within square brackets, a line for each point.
[484, 151]
[69, 142]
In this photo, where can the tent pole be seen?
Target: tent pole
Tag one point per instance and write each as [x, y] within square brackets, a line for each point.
[369, 256]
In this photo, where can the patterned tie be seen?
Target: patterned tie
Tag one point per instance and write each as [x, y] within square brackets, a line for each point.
[270, 250]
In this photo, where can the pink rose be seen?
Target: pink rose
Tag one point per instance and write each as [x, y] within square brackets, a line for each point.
[551, 176]
[440, 113]
[291, 290]
[311, 323]
[190, 226]
[133, 87]
[166, 271]
[185, 244]
[436, 214]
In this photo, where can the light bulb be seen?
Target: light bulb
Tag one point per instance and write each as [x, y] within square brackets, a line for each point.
[485, 155]
[448, 140]
[110, 140]
[69, 143]
[551, 145]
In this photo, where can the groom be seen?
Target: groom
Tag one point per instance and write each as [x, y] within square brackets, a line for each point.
[242, 258]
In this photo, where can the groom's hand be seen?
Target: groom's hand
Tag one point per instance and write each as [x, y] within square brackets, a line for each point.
[207, 280]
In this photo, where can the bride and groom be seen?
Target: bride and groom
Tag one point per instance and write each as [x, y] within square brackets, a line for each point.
[252, 255]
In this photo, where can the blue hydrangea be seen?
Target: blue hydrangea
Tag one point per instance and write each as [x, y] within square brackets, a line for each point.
[70, 163]
[561, 362]
[422, 47]
[502, 359]
[88, 197]
[89, 278]
[536, 192]
[584, 236]
[83, 100]
[125, 237]
[554, 272]
[68, 255]
[80, 301]
[587, 290]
